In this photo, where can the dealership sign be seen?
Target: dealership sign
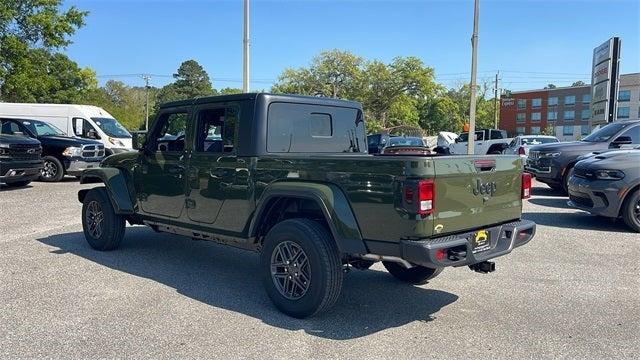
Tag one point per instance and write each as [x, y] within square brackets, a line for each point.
[604, 81]
[508, 102]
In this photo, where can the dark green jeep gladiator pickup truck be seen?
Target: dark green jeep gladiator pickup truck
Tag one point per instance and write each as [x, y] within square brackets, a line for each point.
[290, 177]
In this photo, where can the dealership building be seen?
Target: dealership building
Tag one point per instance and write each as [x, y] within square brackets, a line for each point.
[565, 109]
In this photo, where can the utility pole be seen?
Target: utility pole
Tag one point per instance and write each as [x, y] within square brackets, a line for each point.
[495, 102]
[245, 45]
[474, 63]
[146, 79]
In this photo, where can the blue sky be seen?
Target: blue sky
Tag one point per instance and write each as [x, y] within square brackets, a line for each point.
[531, 42]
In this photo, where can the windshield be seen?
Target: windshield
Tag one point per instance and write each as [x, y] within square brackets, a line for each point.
[41, 128]
[405, 141]
[537, 140]
[112, 127]
[605, 133]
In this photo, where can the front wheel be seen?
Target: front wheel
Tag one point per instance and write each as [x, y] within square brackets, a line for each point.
[631, 211]
[52, 169]
[301, 268]
[102, 227]
[417, 275]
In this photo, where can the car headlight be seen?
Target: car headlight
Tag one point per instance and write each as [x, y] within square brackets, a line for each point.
[115, 142]
[550, 155]
[609, 174]
[72, 151]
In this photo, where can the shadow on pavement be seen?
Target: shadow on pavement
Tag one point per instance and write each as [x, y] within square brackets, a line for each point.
[227, 278]
[544, 190]
[578, 220]
[560, 202]
[4, 187]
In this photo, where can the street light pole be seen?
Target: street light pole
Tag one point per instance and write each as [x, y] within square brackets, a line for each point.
[245, 44]
[474, 63]
[146, 103]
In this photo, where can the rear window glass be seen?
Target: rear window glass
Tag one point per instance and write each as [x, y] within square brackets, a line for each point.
[303, 128]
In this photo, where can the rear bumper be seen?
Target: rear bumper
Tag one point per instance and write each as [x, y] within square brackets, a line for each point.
[13, 171]
[599, 197]
[458, 249]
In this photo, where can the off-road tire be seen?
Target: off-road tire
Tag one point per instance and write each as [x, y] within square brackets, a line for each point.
[417, 275]
[631, 210]
[325, 267]
[112, 225]
[53, 170]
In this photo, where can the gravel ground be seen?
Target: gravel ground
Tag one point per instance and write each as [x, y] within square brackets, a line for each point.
[572, 292]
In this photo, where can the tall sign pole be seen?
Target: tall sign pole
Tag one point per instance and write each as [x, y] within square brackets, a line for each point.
[605, 75]
[474, 63]
[495, 102]
[245, 45]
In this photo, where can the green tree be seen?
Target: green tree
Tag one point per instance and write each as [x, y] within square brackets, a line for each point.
[333, 73]
[191, 80]
[578, 83]
[125, 103]
[550, 86]
[548, 130]
[30, 31]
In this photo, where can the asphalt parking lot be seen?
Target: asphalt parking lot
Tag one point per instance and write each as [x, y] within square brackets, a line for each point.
[572, 292]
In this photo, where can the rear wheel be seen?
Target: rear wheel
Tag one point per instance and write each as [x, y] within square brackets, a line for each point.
[417, 275]
[52, 169]
[103, 228]
[631, 210]
[301, 267]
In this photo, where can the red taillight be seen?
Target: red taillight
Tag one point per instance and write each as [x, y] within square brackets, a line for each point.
[426, 192]
[526, 185]
[521, 150]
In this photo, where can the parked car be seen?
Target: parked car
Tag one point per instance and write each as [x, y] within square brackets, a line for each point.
[608, 184]
[487, 141]
[406, 145]
[521, 144]
[61, 154]
[301, 190]
[20, 161]
[553, 164]
[85, 121]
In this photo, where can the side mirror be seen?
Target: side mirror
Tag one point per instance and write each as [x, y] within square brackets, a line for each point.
[92, 134]
[138, 139]
[621, 140]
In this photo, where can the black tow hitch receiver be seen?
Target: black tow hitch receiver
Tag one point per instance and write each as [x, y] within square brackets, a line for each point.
[484, 267]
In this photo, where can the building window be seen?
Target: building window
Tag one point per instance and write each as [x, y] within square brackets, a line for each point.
[522, 103]
[553, 101]
[585, 114]
[535, 116]
[586, 98]
[552, 116]
[569, 100]
[569, 115]
[519, 130]
[585, 130]
[623, 112]
[536, 103]
[567, 130]
[521, 117]
[624, 95]
[535, 130]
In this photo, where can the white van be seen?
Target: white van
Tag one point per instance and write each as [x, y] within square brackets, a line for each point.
[83, 121]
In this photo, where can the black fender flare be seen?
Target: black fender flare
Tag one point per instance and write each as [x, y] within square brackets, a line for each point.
[116, 184]
[331, 200]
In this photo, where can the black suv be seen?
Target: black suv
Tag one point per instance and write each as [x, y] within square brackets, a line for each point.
[20, 161]
[553, 163]
[62, 155]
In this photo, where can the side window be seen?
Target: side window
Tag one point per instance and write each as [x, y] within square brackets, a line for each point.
[479, 136]
[169, 135]
[496, 134]
[10, 128]
[634, 134]
[83, 128]
[217, 130]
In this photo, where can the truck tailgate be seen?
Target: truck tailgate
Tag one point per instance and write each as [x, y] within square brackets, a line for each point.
[476, 191]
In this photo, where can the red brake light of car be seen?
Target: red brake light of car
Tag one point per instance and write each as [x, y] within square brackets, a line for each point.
[521, 150]
[526, 185]
[426, 197]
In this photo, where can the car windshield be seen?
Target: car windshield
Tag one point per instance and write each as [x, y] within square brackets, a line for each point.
[405, 141]
[605, 133]
[538, 140]
[112, 127]
[41, 128]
